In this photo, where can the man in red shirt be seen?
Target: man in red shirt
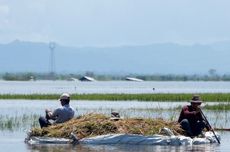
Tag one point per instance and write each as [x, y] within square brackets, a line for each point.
[191, 119]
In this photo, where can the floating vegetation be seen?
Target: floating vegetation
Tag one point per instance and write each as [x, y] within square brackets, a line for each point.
[124, 97]
[98, 124]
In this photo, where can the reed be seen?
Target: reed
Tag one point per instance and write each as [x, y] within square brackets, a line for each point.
[208, 97]
[219, 107]
[13, 123]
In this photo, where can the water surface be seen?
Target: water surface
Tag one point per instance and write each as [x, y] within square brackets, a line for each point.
[44, 87]
[21, 115]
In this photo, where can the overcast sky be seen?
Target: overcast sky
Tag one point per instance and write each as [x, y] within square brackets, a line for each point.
[115, 22]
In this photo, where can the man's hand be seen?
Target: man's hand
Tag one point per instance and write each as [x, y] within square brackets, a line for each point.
[198, 110]
[48, 114]
[47, 110]
[211, 129]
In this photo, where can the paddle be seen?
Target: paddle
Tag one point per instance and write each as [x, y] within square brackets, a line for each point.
[209, 126]
[222, 129]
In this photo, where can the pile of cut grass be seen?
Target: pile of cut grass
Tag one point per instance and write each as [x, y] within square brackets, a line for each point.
[98, 124]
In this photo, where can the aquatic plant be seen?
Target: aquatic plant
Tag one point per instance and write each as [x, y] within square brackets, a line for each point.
[13, 123]
[207, 97]
[220, 106]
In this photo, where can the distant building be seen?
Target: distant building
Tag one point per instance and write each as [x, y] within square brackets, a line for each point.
[72, 79]
[32, 78]
[86, 78]
[133, 79]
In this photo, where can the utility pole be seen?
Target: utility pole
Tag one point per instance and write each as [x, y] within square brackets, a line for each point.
[52, 46]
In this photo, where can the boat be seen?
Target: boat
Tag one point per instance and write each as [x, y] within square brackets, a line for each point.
[101, 129]
[169, 139]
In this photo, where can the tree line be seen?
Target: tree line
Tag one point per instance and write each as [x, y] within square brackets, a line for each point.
[29, 76]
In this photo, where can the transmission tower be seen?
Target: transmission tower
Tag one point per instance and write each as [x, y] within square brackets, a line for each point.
[52, 46]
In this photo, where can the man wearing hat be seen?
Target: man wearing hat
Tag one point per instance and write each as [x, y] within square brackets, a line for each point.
[59, 115]
[191, 119]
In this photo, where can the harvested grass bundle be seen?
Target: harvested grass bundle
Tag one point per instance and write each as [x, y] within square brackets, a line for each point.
[98, 124]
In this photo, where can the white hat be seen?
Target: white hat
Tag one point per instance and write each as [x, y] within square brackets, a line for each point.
[64, 96]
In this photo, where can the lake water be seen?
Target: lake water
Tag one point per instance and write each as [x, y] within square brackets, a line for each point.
[18, 116]
[29, 87]
[11, 142]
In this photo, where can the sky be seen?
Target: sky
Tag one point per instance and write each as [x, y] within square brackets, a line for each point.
[115, 22]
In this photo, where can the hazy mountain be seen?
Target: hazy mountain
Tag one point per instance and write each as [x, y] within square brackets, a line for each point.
[167, 58]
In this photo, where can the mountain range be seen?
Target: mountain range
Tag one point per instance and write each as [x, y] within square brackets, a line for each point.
[164, 58]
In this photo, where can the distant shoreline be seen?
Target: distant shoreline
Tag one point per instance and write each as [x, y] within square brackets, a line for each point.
[212, 75]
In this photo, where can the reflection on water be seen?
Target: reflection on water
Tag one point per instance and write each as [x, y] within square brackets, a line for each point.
[51, 147]
[17, 116]
[11, 142]
[121, 148]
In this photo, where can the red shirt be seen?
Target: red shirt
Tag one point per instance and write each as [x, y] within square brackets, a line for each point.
[188, 112]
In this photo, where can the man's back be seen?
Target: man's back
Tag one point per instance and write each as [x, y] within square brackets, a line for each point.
[63, 114]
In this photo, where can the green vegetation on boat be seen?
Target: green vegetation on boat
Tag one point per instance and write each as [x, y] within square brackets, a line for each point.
[206, 97]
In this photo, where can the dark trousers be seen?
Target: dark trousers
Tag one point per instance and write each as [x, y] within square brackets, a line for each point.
[44, 122]
[193, 129]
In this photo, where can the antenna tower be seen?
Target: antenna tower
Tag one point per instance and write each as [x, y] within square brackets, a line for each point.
[52, 46]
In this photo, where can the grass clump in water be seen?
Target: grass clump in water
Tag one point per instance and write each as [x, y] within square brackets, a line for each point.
[208, 97]
[98, 124]
[220, 106]
[13, 123]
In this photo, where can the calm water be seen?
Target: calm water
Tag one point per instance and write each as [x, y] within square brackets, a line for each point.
[29, 87]
[18, 116]
[14, 142]
[22, 114]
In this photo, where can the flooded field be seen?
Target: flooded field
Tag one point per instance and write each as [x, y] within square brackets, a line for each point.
[18, 116]
[41, 87]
